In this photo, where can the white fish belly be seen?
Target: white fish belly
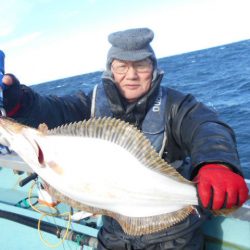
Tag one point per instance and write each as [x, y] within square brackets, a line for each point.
[102, 174]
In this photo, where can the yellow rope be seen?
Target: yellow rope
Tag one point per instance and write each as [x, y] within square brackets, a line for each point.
[43, 213]
[48, 244]
[35, 208]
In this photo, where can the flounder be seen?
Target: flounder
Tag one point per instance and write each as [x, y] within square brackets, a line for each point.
[105, 166]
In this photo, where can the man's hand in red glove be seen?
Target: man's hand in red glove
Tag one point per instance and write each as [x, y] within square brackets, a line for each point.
[219, 187]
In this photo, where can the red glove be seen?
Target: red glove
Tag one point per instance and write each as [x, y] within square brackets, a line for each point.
[219, 187]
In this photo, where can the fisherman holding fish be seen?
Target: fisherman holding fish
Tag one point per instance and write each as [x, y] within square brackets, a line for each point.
[183, 131]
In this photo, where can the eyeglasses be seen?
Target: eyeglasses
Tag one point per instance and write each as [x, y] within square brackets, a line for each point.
[143, 66]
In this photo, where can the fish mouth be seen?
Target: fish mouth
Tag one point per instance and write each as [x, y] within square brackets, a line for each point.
[40, 156]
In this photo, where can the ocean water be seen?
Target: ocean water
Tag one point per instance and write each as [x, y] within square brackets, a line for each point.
[219, 77]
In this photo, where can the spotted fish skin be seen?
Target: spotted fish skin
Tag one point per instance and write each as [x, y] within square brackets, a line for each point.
[105, 166]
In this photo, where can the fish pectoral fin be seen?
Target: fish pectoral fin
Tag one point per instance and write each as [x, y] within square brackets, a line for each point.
[43, 161]
[36, 146]
[40, 155]
[52, 164]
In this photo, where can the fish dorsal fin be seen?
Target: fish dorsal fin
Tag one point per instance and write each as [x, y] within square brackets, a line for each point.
[123, 134]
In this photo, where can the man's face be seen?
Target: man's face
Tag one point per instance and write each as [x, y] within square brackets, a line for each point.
[133, 79]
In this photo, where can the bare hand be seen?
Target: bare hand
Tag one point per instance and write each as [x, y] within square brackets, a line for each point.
[7, 80]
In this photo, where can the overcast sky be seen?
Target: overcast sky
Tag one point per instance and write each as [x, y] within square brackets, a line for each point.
[51, 39]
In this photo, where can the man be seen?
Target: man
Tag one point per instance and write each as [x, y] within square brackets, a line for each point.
[184, 132]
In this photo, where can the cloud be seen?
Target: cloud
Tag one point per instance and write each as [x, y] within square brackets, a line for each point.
[5, 28]
[20, 41]
[11, 13]
[57, 57]
[8, 22]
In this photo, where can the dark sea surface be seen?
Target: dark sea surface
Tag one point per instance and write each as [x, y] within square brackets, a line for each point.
[219, 77]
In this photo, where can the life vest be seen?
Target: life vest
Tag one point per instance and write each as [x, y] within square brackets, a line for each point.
[154, 123]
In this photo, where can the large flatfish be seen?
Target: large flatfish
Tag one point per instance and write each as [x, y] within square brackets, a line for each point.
[105, 166]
